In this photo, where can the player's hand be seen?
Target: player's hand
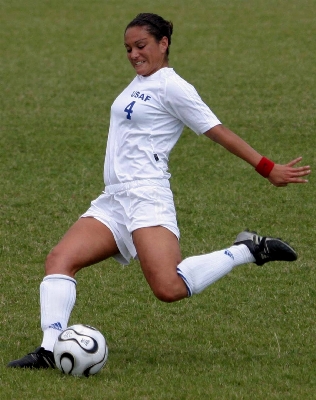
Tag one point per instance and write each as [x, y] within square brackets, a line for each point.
[282, 175]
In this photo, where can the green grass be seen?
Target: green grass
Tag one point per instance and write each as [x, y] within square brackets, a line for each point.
[252, 334]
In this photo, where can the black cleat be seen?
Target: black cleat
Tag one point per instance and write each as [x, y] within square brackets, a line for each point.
[39, 358]
[265, 249]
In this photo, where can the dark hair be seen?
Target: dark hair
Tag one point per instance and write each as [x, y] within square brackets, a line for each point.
[155, 25]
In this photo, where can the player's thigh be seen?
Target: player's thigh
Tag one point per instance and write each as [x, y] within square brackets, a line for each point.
[159, 254]
[87, 242]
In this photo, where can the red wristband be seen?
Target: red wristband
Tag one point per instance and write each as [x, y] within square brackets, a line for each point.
[265, 167]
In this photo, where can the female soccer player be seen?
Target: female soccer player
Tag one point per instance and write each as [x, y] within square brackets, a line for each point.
[135, 215]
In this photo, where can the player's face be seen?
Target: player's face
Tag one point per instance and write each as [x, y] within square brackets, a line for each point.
[145, 54]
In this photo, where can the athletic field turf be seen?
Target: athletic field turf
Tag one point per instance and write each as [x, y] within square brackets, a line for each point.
[252, 334]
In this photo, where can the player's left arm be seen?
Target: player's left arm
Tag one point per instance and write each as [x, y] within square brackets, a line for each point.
[279, 175]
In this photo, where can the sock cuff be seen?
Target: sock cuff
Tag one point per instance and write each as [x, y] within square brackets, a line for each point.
[60, 276]
[179, 272]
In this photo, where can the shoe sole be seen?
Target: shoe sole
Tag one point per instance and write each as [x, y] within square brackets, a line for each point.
[248, 235]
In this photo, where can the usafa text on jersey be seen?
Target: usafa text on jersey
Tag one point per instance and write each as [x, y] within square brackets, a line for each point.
[129, 108]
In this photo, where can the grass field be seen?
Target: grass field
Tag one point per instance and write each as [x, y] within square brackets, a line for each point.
[252, 334]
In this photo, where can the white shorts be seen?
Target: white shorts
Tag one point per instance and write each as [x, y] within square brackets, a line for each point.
[128, 206]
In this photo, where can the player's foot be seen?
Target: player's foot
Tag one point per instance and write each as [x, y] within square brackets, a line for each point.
[266, 249]
[39, 358]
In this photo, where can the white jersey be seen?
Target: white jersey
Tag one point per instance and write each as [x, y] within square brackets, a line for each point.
[147, 119]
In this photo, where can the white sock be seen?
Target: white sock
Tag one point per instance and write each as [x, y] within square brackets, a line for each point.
[57, 297]
[198, 272]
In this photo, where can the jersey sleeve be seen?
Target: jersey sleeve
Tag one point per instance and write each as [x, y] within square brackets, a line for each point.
[183, 102]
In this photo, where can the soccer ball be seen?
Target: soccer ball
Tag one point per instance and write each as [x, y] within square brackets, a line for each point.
[80, 350]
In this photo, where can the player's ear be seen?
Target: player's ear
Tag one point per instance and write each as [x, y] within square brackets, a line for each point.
[164, 43]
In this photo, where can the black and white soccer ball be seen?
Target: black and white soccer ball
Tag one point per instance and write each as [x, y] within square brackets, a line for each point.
[80, 350]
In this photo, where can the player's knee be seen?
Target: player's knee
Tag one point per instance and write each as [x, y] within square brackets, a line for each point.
[168, 289]
[57, 264]
[51, 262]
[168, 293]
[165, 295]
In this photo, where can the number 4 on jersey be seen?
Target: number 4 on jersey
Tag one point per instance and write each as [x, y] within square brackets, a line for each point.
[129, 109]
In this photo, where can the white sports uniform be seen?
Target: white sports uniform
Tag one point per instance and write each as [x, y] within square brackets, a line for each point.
[147, 119]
